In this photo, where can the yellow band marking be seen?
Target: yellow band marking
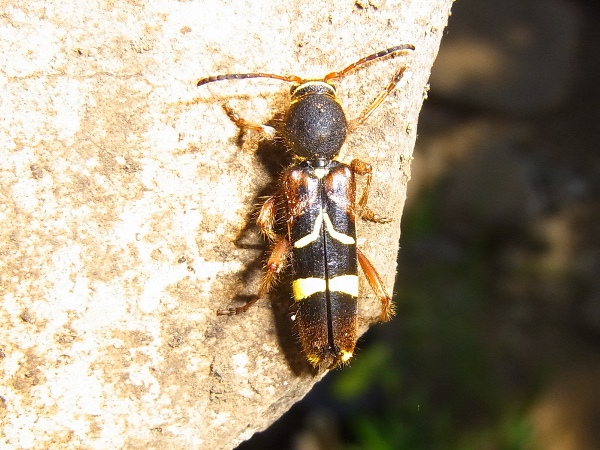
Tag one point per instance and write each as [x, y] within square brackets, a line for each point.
[327, 86]
[316, 359]
[305, 287]
[348, 284]
[346, 356]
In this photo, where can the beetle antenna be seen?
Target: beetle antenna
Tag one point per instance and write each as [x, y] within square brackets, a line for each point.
[366, 59]
[241, 76]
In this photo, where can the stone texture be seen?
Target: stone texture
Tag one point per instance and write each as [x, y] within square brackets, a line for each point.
[126, 202]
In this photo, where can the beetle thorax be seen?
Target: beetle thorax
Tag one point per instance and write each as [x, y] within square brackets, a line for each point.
[315, 124]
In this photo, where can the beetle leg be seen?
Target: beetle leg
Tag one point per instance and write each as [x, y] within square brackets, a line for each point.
[266, 218]
[275, 265]
[243, 124]
[362, 168]
[354, 123]
[387, 307]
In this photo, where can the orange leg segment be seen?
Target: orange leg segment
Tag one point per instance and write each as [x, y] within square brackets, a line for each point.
[354, 123]
[266, 218]
[362, 168]
[244, 124]
[387, 307]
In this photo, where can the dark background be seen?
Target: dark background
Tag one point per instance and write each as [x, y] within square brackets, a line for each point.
[496, 344]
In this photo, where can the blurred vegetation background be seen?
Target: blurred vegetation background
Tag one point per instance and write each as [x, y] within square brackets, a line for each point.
[496, 344]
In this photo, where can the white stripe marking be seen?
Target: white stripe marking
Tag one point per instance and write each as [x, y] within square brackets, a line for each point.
[343, 238]
[314, 234]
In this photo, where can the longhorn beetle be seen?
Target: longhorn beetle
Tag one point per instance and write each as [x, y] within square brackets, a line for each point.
[318, 194]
